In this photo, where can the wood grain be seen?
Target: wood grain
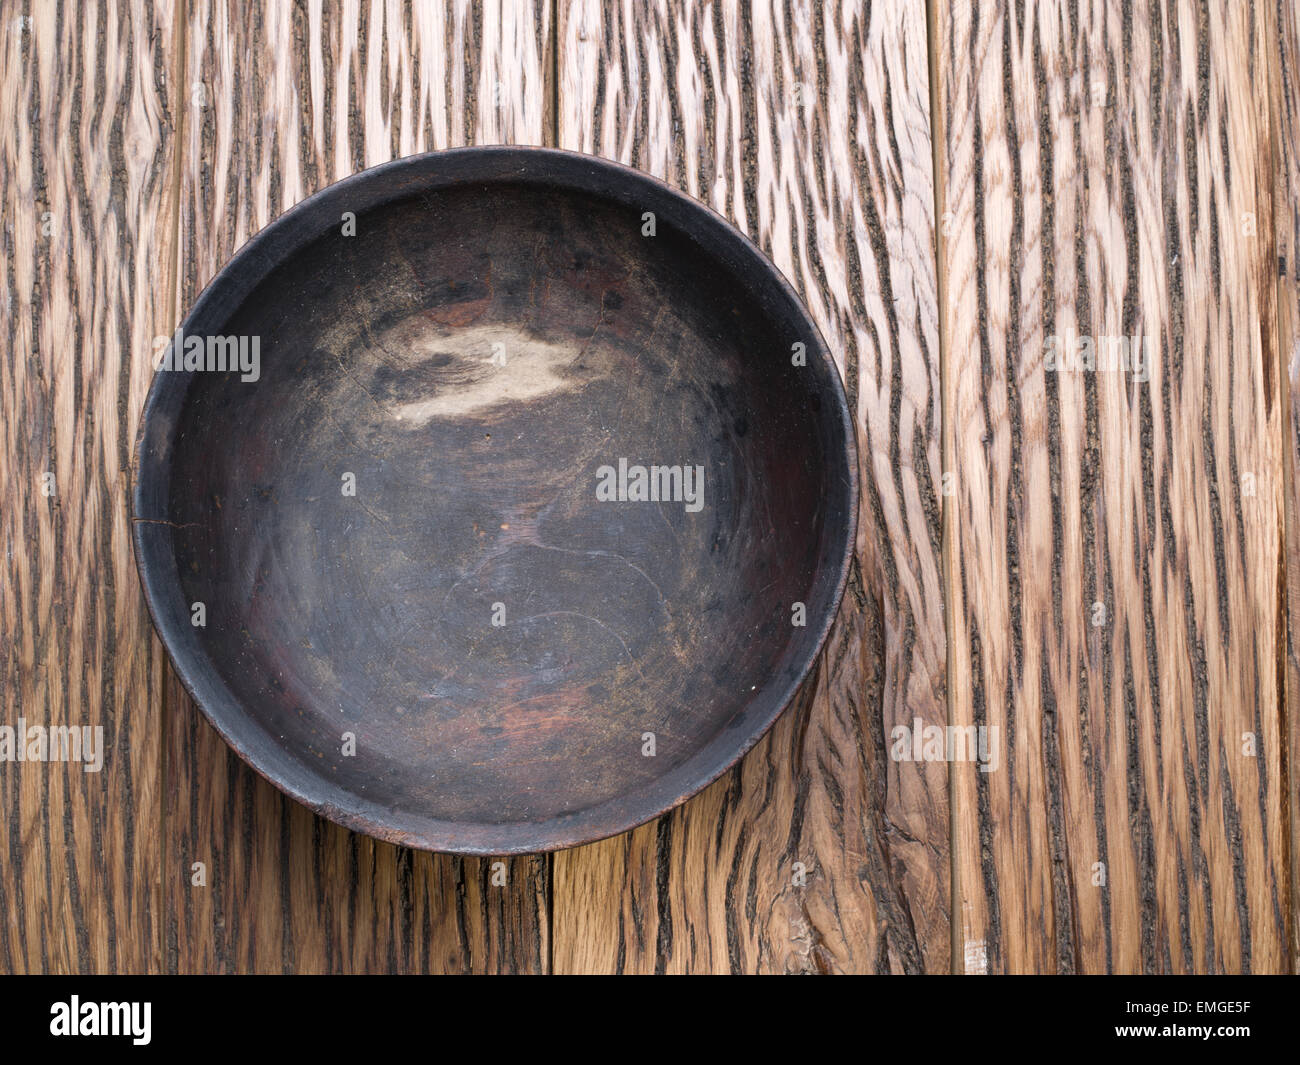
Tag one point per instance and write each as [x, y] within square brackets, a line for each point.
[1283, 62]
[1106, 172]
[808, 126]
[281, 100]
[85, 152]
[1104, 169]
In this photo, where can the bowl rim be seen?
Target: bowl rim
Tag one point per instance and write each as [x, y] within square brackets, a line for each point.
[609, 817]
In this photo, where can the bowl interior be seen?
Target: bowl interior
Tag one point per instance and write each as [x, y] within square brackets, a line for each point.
[500, 526]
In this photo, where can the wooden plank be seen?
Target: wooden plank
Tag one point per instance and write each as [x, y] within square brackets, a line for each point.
[283, 99]
[1115, 542]
[85, 180]
[806, 124]
[1284, 101]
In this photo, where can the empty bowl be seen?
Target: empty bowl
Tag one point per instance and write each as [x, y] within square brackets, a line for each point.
[495, 500]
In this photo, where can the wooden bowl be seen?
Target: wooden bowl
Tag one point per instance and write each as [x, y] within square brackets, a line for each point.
[526, 521]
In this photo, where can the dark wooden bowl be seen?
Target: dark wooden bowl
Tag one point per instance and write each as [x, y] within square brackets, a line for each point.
[497, 637]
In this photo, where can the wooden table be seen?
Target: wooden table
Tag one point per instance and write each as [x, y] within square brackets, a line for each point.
[1100, 566]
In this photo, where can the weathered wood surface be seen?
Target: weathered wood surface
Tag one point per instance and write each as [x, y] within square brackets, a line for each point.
[1283, 64]
[85, 182]
[808, 126]
[1115, 565]
[1103, 168]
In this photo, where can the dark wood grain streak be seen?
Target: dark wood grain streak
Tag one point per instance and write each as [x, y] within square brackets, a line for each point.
[808, 126]
[1283, 62]
[85, 167]
[293, 98]
[1107, 172]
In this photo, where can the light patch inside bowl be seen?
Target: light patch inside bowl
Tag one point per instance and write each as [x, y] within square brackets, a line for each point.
[466, 371]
